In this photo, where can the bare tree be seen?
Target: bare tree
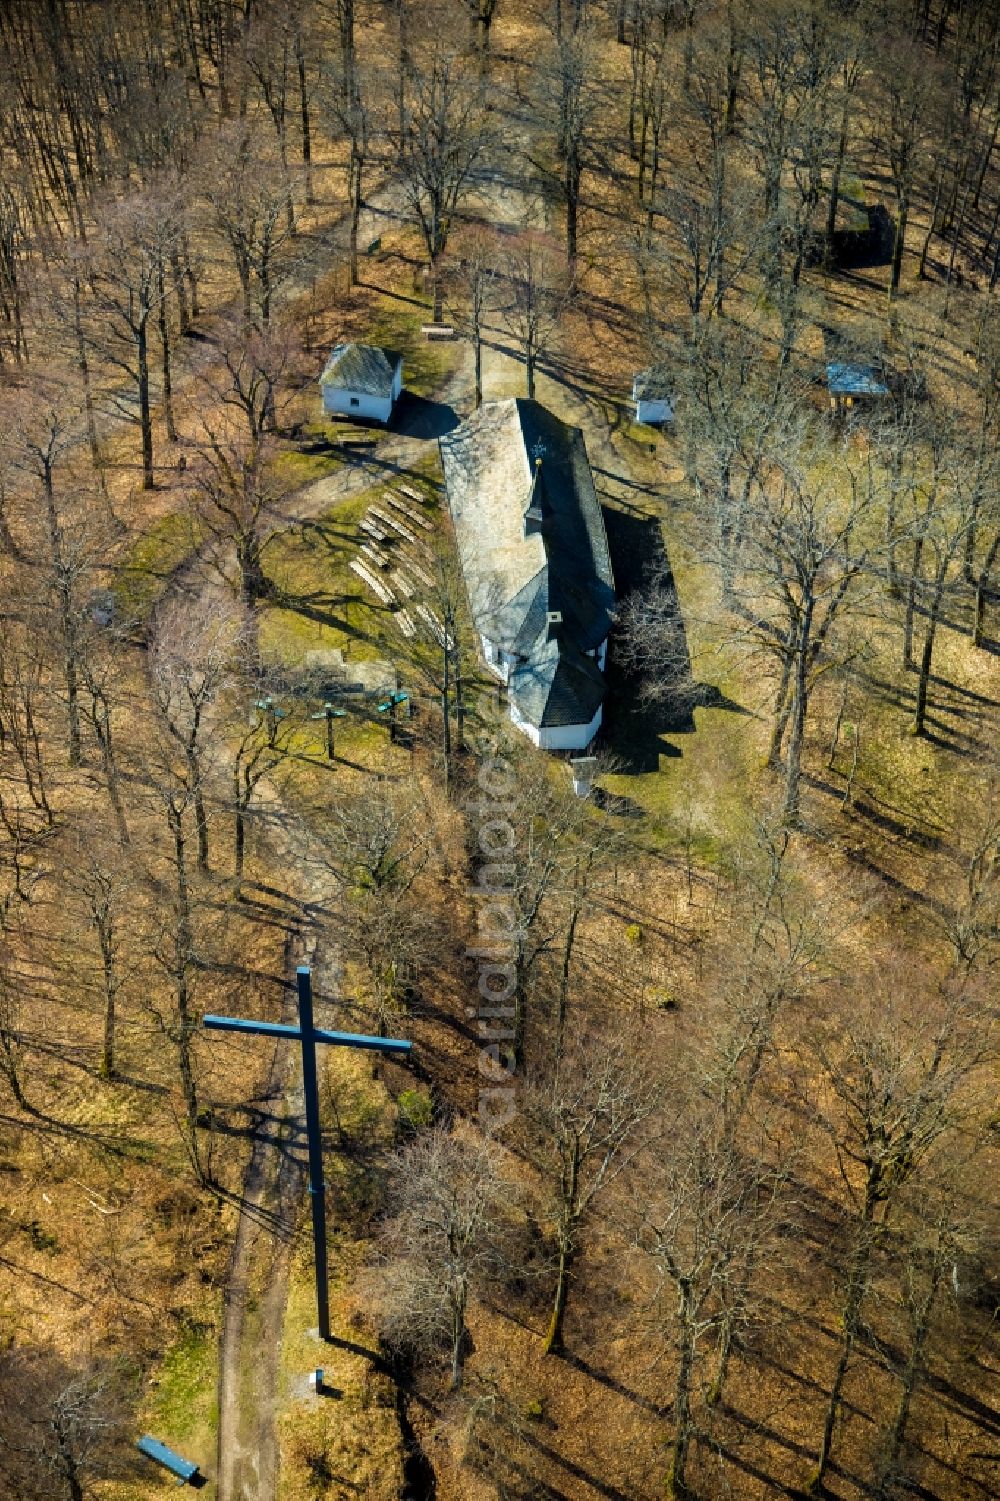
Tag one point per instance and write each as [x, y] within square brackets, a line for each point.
[906, 122]
[712, 1213]
[567, 107]
[651, 644]
[895, 1093]
[62, 1430]
[801, 548]
[70, 541]
[472, 284]
[126, 275]
[352, 99]
[536, 296]
[378, 850]
[249, 196]
[448, 1203]
[236, 491]
[102, 884]
[190, 667]
[585, 1120]
[444, 132]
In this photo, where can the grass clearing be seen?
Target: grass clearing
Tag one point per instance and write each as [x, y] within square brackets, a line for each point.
[180, 1409]
[326, 606]
[152, 560]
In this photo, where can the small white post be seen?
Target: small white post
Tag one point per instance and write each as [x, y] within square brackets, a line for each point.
[583, 770]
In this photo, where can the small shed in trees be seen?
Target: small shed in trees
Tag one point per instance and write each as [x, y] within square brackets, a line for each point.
[854, 385]
[653, 399]
[361, 380]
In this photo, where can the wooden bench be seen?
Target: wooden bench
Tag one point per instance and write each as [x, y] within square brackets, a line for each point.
[380, 590]
[372, 528]
[381, 519]
[405, 623]
[409, 511]
[412, 494]
[186, 1472]
[416, 570]
[375, 555]
[437, 331]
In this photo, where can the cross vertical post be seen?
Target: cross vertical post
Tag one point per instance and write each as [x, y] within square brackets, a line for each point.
[317, 1187]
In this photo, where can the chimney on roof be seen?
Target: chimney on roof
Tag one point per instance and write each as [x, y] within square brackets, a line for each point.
[553, 624]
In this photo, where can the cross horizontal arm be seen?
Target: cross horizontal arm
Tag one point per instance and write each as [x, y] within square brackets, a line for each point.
[285, 1029]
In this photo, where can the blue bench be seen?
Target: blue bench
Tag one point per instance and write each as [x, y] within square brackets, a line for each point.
[183, 1468]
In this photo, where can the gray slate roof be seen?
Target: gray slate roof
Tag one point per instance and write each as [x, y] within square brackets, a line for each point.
[652, 385]
[557, 685]
[361, 367]
[845, 379]
[514, 581]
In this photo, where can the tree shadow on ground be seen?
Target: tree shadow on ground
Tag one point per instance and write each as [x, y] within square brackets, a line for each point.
[416, 417]
[635, 730]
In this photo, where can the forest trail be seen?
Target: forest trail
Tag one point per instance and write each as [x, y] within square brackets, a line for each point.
[257, 1284]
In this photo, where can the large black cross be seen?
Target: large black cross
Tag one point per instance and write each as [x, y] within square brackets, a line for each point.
[309, 1035]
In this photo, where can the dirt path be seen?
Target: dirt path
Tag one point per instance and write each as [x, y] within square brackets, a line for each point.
[257, 1284]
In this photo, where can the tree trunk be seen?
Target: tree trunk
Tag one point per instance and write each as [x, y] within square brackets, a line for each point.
[926, 656]
[898, 245]
[355, 172]
[800, 700]
[240, 833]
[100, 719]
[834, 204]
[572, 179]
[446, 708]
[909, 1380]
[677, 1474]
[983, 592]
[182, 961]
[781, 711]
[164, 327]
[458, 1339]
[300, 59]
[911, 603]
[84, 366]
[553, 1342]
[145, 416]
[854, 1296]
[110, 999]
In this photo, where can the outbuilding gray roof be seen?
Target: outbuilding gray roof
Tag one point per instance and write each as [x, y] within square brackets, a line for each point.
[845, 379]
[361, 367]
[532, 543]
[652, 385]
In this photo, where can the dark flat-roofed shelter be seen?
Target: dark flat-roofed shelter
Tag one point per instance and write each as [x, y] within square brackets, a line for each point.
[852, 385]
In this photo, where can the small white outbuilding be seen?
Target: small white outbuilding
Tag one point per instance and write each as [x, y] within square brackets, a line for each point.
[363, 381]
[652, 396]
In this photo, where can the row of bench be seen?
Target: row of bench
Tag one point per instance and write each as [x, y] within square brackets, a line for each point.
[408, 510]
[391, 524]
